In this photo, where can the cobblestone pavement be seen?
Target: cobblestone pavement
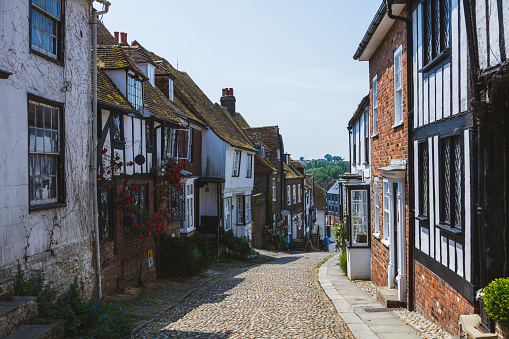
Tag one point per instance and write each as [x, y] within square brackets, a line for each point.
[278, 299]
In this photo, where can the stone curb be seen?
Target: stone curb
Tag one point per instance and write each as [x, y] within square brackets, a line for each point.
[148, 322]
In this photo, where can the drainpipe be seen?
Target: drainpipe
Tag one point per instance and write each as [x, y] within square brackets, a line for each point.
[410, 119]
[478, 112]
[93, 152]
[350, 147]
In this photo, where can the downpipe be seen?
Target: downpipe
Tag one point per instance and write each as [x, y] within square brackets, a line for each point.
[93, 151]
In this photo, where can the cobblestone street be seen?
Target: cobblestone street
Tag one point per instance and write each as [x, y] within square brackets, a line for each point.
[278, 299]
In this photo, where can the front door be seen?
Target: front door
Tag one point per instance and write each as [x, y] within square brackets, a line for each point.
[395, 226]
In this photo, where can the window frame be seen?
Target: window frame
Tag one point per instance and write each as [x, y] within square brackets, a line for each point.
[171, 89]
[57, 57]
[274, 190]
[138, 102]
[299, 193]
[60, 190]
[189, 220]
[249, 166]
[454, 180]
[398, 90]
[113, 128]
[176, 134]
[374, 88]
[423, 184]
[105, 226]
[294, 194]
[247, 209]
[387, 207]
[227, 214]
[237, 156]
[376, 206]
[437, 31]
[288, 195]
[241, 217]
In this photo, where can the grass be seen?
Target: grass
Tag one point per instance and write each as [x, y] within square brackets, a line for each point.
[324, 260]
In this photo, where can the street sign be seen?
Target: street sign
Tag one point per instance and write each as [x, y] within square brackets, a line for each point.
[150, 259]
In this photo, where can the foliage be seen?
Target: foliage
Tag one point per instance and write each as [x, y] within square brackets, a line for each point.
[343, 261]
[89, 319]
[238, 247]
[496, 300]
[340, 234]
[184, 257]
[327, 170]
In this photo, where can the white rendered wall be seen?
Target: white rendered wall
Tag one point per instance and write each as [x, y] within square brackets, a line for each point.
[358, 263]
[213, 155]
[58, 240]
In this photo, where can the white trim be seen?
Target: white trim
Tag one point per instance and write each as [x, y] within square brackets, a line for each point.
[398, 54]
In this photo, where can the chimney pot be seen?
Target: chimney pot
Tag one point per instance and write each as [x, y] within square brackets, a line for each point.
[123, 37]
[117, 36]
[224, 92]
[231, 91]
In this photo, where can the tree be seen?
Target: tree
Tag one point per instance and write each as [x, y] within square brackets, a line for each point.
[301, 159]
[327, 157]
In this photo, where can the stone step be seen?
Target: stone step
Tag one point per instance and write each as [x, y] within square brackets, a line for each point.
[6, 288]
[15, 313]
[40, 330]
[389, 297]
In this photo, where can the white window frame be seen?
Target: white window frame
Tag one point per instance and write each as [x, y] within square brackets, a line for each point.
[387, 207]
[247, 209]
[376, 204]
[278, 154]
[299, 193]
[236, 163]
[227, 214]
[170, 89]
[398, 89]
[38, 28]
[249, 166]
[374, 87]
[240, 210]
[175, 150]
[294, 194]
[288, 195]
[188, 224]
[274, 192]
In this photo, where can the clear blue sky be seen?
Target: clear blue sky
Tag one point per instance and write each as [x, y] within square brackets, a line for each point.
[289, 61]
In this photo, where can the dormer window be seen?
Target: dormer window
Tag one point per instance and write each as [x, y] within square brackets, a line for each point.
[134, 91]
[261, 150]
[170, 89]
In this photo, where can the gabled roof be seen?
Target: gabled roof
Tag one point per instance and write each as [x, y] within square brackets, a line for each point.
[158, 105]
[363, 106]
[290, 172]
[266, 136]
[310, 180]
[320, 197]
[334, 188]
[241, 121]
[297, 164]
[377, 30]
[139, 54]
[109, 94]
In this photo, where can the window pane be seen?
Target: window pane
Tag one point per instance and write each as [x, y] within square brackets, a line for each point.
[47, 117]
[56, 11]
[39, 141]
[52, 187]
[35, 2]
[54, 119]
[33, 32]
[53, 166]
[37, 164]
[39, 112]
[45, 38]
[37, 188]
[47, 141]
[44, 165]
[54, 142]
[31, 138]
[42, 4]
[458, 165]
[45, 22]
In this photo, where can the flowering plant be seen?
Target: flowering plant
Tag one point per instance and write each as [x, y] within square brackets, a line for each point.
[496, 300]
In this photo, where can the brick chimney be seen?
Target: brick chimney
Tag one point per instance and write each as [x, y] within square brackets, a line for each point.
[123, 38]
[117, 37]
[228, 101]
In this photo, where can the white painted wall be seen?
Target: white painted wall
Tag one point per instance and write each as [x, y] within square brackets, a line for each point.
[119, 78]
[213, 155]
[24, 233]
[241, 183]
[358, 263]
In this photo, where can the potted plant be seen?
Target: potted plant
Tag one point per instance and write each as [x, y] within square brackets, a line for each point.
[496, 304]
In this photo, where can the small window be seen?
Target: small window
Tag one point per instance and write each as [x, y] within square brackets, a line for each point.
[299, 193]
[274, 195]
[227, 214]
[437, 28]
[374, 87]
[134, 90]
[451, 167]
[236, 163]
[181, 144]
[387, 209]
[170, 89]
[423, 179]
[376, 200]
[261, 150]
[248, 209]
[249, 166]
[278, 154]
[117, 128]
[105, 219]
[140, 207]
[398, 87]
[149, 128]
[46, 27]
[45, 153]
[288, 195]
[294, 195]
[240, 210]
[189, 196]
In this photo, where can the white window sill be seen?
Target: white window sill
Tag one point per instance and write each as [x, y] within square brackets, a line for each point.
[377, 235]
[187, 230]
[374, 135]
[398, 124]
[386, 242]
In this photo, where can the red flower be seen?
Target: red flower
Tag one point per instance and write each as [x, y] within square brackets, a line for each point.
[117, 157]
[108, 172]
[98, 176]
[120, 164]
[104, 151]
[130, 163]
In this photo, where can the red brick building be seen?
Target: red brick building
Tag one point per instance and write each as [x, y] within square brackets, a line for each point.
[384, 46]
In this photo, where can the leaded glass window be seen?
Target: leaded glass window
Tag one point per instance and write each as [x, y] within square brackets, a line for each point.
[451, 174]
[140, 207]
[135, 91]
[44, 152]
[45, 22]
[177, 202]
[437, 28]
[423, 179]
[105, 221]
[116, 128]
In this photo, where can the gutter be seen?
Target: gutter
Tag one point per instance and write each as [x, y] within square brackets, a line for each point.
[410, 121]
[94, 151]
[370, 32]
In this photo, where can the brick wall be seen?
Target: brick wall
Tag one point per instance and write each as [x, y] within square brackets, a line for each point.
[194, 166]
[391, 142]
[438, 301]
[258, 208]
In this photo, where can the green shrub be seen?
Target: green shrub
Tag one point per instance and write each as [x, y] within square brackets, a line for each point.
[496, 299]
[343, 261]
[88, 319]
[238, 247]
[184, 257]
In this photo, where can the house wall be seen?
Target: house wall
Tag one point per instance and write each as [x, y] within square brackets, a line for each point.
[58, 241]
[320, 222]
[241, 182]
[213, 155]
[259, 205]
[391, 142]
[195, 165]
[358, 133]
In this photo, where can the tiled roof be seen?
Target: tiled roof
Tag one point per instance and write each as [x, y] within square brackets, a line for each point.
[290, 172]
[241, 121]
[320, 197]
[138, 54]
[109, 93]
[158, 105]
[310, 179]
[267, 166]
[297, 164]
[266, 136]
[104, 36]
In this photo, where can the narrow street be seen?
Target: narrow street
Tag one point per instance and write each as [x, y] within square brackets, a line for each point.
[278, 299]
